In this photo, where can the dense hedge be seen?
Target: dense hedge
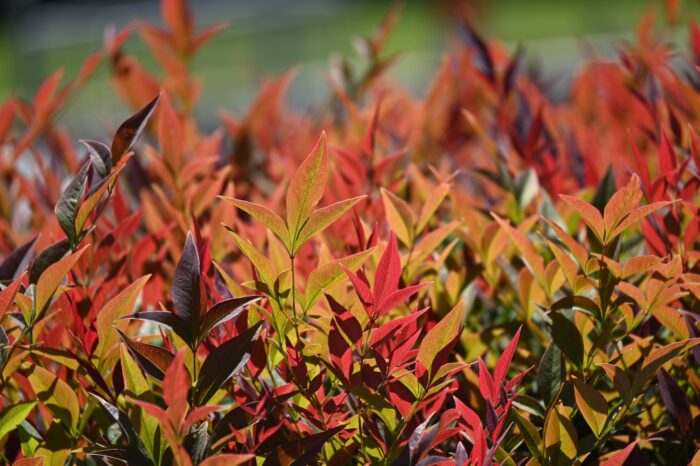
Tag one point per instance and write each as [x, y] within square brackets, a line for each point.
[479, 276]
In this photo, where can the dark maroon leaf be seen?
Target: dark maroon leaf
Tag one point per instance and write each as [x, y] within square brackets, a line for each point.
[100, 155]
[47, 257]
[675, 400]
[154, 360]
[223, 311]
[17, 261]
[168, 319]
[225, 361]
[300, 452]
[129, 131]
[185, 288]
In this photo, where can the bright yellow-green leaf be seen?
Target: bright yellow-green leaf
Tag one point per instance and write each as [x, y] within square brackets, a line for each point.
[267, 271]
[57, 395]
[13, 416]
[323, 217]
[306, 188]
[400, 217]
[137, 387]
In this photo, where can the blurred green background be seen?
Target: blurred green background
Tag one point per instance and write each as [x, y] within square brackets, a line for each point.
[267, 37]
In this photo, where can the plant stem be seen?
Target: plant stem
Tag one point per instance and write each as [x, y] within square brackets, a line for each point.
[294, 300]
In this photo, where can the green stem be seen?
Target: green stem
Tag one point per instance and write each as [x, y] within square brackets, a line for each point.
[294, 300]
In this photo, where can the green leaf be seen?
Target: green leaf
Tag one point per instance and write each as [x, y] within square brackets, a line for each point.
[529, 434]
[441, 336]
[323, 217]
[606, 189]
[567, 338]
[137, 387]
[581, 302]
[550, 373]
[306, 188]
[592, 405]
[56, 395]
[67, 204]
[13, 416]
[224, 362]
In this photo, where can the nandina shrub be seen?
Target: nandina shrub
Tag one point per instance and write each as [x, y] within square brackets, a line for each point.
[481, 276]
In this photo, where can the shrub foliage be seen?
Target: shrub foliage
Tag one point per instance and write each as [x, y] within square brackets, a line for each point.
[483, 275]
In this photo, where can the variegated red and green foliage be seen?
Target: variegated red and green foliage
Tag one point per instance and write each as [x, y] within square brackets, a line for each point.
[485, 275]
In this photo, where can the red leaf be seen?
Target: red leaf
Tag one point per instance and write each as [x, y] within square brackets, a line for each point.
[499, 373]
[486, 385]
[176, 384]
[388, 273]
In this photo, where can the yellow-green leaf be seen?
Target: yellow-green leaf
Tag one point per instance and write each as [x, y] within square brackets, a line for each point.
[267, 271]
[441, 335]
[560, 438]
[436, 197]
[592, 405]
[400, 217]
[265, 216]
[57, 395]
[323, 217]
[306, 188]
[13, 416]
[117, 307]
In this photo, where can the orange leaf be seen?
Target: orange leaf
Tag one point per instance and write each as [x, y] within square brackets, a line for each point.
[51, 278]
[170, 133]
[589, 214]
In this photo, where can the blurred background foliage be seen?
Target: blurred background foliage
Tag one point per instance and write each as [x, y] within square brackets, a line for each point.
[268, 37]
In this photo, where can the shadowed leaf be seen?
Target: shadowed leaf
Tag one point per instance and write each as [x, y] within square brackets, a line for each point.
[130, 130]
